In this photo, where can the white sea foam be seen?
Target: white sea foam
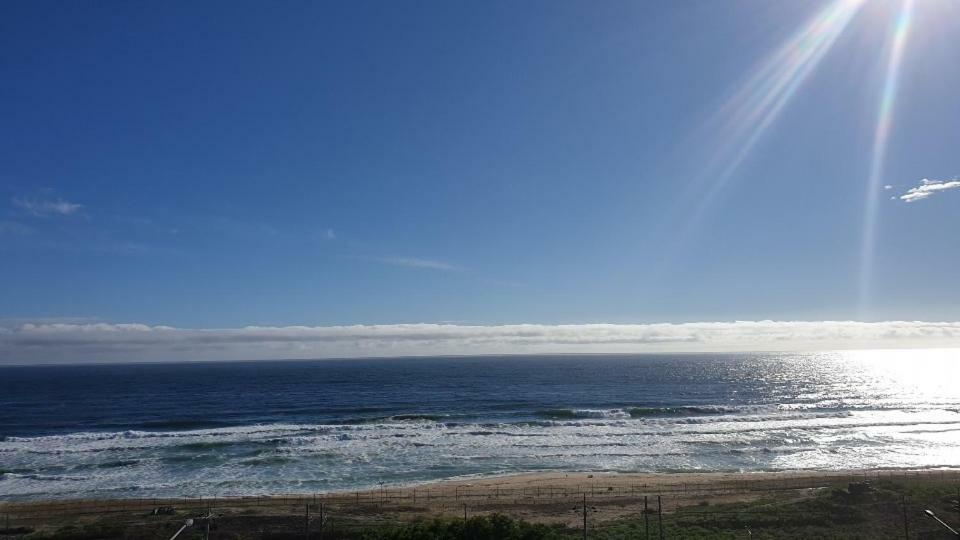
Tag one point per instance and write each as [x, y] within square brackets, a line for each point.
[306, 457]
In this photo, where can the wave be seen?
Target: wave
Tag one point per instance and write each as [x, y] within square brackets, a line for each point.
[558, 414]
[403, 417]
[642, 412]
[418, 417]
[44, 477]
[183, 424]
[594, 422]
[268, 460]
[90, 436]
[654, 412]
[117, 463]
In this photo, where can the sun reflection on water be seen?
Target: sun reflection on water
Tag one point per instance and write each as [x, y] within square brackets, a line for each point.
[919, 373]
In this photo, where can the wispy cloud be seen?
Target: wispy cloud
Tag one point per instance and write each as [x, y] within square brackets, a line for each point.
[47, 207]
[416, 262]
[928, 188]
[53, 342]
[20, 321]
[328, 234]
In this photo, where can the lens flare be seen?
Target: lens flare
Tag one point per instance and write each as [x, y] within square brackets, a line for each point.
[888, 96]
[751, 111]
[739, 124]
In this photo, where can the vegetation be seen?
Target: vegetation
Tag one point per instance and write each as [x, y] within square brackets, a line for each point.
[885, 510]
[496, 526]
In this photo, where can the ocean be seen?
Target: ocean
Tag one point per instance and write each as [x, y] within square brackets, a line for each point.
[241, 428]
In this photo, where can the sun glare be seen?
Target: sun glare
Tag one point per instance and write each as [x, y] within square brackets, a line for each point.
[746, 116]
[738, 125]
[888, 96]
[760, 100]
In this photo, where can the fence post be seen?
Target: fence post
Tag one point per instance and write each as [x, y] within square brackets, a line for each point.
[906, 528]
[584, 516]
[646, 519]
[660, 516]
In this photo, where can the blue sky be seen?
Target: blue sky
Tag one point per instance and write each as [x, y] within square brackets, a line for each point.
[222, 164]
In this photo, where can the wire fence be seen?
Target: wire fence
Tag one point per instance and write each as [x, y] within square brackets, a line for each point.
[597, 499]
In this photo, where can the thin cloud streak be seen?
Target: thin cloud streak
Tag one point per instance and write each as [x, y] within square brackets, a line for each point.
[416, 262]
[47, 207]
[100, 342]
[928, 188]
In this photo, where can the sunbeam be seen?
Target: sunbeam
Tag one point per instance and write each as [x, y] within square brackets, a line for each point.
[738, 125]
[758, 103]
[881, 137]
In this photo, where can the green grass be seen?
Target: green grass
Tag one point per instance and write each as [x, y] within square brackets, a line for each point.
[495, 526]
[830, 513]
[889, 510]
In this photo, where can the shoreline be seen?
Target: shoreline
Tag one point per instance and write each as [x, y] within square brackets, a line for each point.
[562, 484]
[551, 499]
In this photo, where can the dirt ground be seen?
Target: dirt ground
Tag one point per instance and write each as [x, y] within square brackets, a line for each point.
[555, 498]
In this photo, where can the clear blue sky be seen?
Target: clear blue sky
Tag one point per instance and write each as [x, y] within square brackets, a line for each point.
[220, 164]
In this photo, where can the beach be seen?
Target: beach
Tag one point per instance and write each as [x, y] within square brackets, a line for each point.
[557, 499]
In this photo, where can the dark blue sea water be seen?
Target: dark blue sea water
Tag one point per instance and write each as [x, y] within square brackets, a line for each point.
[308, 426]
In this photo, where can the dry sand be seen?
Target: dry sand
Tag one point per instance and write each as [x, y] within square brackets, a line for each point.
[544, 497]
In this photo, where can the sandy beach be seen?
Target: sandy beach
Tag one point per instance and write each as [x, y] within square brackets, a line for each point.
[552, 498]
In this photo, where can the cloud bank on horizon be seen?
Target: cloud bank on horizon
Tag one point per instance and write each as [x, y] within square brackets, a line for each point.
[46, 342]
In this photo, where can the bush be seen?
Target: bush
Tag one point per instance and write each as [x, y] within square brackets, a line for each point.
[492, 527]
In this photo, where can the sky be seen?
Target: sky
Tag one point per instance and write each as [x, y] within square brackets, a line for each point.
[183, 180]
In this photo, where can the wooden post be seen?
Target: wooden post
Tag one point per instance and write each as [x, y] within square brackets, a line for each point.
[306, 521]
[958, 503]
[321, 521]
[660, 516]
[584, 516]
[464, 514]
[646, 519]
[906, 528]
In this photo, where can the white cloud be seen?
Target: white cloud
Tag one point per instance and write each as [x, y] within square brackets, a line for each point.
[93, 342]
[47, 207]
[416, 262]
[927, 188]
[887, 187]
[328, 234]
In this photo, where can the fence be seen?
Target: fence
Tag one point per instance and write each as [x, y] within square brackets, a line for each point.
[600, 494]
